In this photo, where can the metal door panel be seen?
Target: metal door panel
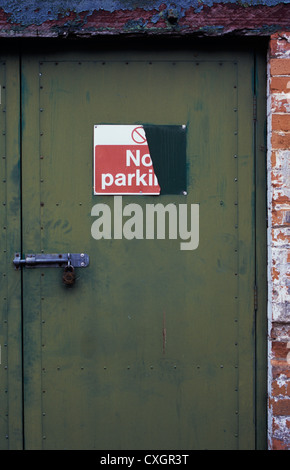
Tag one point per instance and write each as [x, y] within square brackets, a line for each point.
[153, 346]
[11, 435]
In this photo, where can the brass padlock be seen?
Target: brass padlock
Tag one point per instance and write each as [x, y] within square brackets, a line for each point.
[69, 276]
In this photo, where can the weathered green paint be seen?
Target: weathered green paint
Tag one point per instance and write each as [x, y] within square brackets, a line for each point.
[153, 347]
[11, 436]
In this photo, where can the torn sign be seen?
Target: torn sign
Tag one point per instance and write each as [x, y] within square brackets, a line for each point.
[139, 159]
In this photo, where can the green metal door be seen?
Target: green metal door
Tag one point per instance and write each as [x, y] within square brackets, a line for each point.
[154, 346]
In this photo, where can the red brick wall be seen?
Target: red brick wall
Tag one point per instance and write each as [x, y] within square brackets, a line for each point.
[279, 240]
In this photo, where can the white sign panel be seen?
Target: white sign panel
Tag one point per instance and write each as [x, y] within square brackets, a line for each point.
[122, 161]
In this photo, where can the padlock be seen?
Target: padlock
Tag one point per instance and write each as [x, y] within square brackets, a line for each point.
[69, 276]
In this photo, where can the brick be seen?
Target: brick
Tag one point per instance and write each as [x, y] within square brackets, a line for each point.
[281, 122]
[277, 217]
[281, 236]
[280, 67]
[280, 85]
[280, 313]
[277, 444]
[281, 369]
[280, 141]
[281, 407]
[279, 44]
[280, 330]
[280, 428]
[280, 389]
[280, 350]
[281, 199]
[280, 161]
[280, 103]
[279, 182]
[279, 127]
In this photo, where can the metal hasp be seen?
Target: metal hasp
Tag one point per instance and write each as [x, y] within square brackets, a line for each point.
[77, 260]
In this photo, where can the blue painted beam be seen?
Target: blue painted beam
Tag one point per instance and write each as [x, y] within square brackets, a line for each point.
[89, 17]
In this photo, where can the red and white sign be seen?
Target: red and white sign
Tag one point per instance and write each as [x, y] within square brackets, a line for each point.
[122, 161]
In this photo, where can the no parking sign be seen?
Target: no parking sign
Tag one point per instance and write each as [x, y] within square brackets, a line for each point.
[122, 161]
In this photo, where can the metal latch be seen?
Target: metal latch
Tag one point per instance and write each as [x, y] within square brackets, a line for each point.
[70, 261]
[77, 260]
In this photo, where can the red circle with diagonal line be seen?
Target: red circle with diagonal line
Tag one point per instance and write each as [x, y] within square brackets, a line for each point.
[138, 135]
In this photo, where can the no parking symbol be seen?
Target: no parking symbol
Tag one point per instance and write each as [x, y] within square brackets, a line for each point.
[138, 135]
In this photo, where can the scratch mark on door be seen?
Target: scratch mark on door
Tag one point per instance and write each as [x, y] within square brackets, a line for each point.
[164, 332]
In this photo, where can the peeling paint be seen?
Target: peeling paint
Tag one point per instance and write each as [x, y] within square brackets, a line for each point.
[279, 241]
[87, 17]
[281, 426]
[35, 12]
